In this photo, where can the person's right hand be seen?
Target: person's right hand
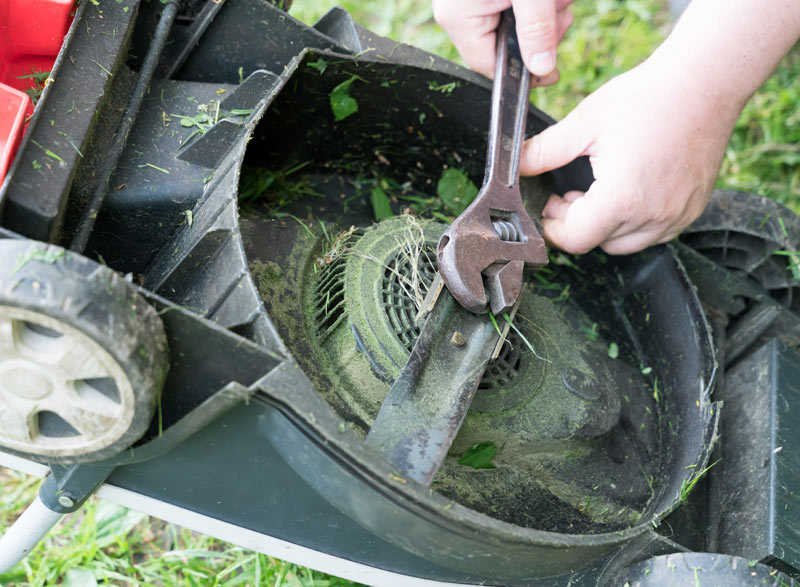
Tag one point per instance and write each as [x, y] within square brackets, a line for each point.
[541, 25]
[655, 141]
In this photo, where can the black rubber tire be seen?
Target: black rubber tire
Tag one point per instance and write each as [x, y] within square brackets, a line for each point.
[100, 304]
[702, 570]
[742, 232]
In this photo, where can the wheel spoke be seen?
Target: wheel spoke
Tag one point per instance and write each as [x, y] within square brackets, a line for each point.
[35, 339]
[80, 362]
[7, 343]
[18, 425]
[92, 401]
[88, 423]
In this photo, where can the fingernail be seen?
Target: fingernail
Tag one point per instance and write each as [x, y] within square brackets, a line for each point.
[542, 63]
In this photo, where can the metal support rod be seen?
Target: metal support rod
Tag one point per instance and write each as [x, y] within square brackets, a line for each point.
[92, 209]
[199, 27]
[24, 534]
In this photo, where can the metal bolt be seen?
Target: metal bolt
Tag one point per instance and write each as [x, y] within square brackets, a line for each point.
[65, 501]
[458, 339]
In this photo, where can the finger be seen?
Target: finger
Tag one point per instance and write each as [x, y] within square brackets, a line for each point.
[537, 31]
[564, 22]
[471, 27]
[555, 146]
[557, 206]
[562, 4]
[477, 46]
[564, 19]
[588, 222]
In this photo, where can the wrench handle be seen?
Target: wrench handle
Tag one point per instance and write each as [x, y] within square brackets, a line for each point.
[510, 95]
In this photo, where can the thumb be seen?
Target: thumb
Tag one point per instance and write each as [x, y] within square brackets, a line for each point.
[555, 146]
[538, 34]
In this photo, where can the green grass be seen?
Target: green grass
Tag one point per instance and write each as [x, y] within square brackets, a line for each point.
[764, 152]
[107, 544]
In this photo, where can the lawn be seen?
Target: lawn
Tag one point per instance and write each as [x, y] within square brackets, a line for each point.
[105, 543]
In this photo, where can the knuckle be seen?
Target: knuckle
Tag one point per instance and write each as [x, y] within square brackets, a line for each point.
[676, 212]
[627, 208]
[663, 216]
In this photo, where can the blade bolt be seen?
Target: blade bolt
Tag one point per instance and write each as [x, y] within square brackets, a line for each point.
[458, 339]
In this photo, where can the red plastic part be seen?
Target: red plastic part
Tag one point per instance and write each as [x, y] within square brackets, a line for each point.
[14, 107]
[31, 34]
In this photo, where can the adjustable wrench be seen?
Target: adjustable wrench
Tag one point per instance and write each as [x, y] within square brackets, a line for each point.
[483, 253]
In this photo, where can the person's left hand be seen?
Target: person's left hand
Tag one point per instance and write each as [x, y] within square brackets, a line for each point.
[541, 25]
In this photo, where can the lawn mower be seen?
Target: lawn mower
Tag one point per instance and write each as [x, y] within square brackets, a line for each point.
[221, 303]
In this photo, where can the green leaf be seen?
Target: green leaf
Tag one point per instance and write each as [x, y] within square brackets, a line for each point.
[443, 88]
[479, 456]
[456, 191]
[342, 104]
[320, 65]
[381, 206]
[613, 350]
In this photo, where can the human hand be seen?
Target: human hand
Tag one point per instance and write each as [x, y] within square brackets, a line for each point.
[655, 140]
[541, 25]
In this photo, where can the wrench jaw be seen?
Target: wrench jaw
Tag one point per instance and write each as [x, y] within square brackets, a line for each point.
[483, 271]
[466, 286]
[503, 282]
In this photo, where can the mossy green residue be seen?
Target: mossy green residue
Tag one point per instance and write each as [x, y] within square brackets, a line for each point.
[267, 274]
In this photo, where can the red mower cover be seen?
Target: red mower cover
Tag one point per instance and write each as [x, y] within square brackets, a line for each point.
[31, 34]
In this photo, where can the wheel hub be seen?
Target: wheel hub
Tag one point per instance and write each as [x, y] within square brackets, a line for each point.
[62, 393]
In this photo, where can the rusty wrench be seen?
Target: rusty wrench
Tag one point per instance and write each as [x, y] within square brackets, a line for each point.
[483, 253]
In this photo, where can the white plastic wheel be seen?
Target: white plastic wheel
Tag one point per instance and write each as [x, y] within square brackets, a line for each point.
[62, 394]
[83, 356]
